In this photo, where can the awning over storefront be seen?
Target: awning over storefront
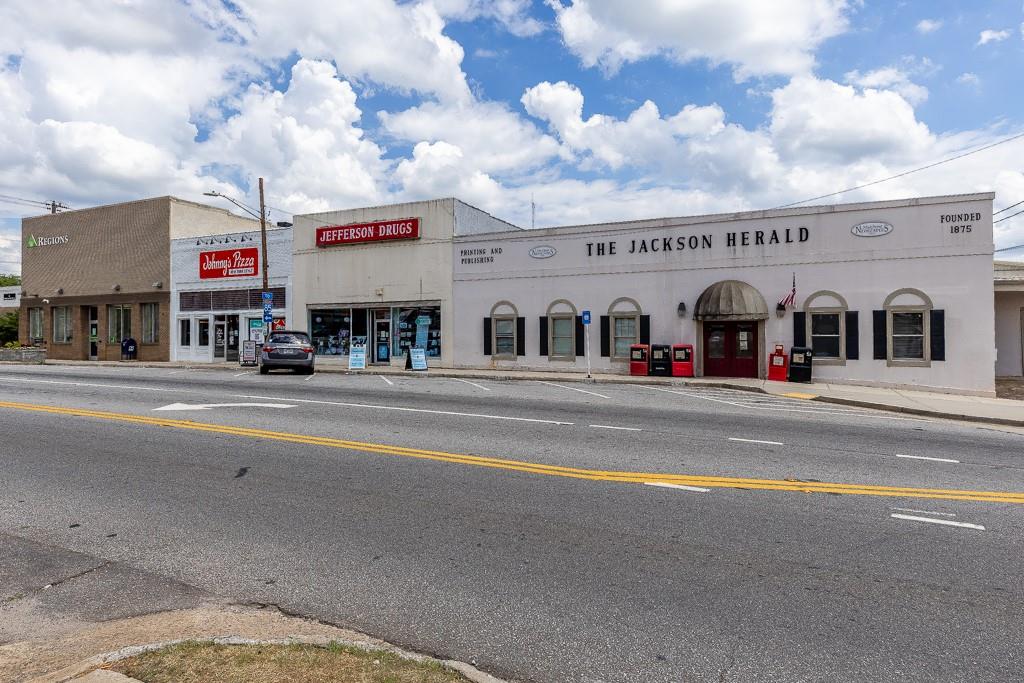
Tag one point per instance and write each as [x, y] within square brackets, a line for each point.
[730, 300]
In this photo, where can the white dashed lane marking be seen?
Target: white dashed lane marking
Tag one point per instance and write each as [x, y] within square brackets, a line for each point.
[625, 429]
[770, 443]
[944, 522]
[682, 487]
[924, 457]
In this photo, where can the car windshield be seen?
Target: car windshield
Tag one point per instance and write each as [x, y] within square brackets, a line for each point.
[288, 339]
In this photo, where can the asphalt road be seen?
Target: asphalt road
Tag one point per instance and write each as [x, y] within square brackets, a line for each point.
[509, 524]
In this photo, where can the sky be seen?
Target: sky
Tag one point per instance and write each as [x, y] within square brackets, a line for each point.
[589, 110]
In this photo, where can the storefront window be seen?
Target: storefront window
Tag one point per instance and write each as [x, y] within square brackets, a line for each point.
[203, 332]
[825, 335]
[185, 332]
[416, 327]
[150, 323]
[332, 331]
[562, 342]
[119, 323]
[61, 324]
[908, 336]
[35, 324]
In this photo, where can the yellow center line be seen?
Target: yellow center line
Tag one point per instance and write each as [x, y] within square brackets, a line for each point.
[540, 468]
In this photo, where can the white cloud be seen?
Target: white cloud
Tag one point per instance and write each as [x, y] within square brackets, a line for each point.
[759, 38]
[438, 170]
[488, 134]
[992, 36]
[968, 78]
[890, 78]
[926, 26]
[514, 15]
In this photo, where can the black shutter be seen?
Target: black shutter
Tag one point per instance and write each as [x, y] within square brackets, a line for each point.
[606, 342]
[581, 331]
[799, 328]
[487, 337]
[879, 334]
[543, 335]
[645, 329]
[938, 332]
[852, 336]
[520, 336]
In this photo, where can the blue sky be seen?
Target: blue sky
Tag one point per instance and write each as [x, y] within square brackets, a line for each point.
[595, 109]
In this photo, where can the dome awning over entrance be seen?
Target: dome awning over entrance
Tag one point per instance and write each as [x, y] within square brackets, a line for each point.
[730, 300]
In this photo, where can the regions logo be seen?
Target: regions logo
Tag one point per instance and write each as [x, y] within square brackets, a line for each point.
[34, 241]
[543, 251]
[871, 229]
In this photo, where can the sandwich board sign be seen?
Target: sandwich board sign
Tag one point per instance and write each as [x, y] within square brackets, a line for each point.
[357, 358]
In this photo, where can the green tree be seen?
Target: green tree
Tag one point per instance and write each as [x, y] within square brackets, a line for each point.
[8, 328]
[9, 280]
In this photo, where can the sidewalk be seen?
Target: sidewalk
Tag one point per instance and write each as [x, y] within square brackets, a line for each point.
[982, 409]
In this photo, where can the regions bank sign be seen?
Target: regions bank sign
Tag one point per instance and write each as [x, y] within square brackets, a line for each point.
[359, 233]
[229, 263]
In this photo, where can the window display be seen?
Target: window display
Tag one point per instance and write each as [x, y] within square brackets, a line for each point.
[417, 327]
[331, 332]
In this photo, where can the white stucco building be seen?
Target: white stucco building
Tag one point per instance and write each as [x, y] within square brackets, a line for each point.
[382, 277]
[1009, 292]
[216, 291]
[895, 293]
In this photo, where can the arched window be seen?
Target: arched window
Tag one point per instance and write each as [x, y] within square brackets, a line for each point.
[908, 327]
[561, 330]
[825, 322]
[504, 332]
[624, 315]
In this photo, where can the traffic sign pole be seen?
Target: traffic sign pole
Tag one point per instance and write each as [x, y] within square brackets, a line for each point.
[586, 339]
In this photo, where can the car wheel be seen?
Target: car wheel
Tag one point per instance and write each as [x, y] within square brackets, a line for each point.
[264, 369]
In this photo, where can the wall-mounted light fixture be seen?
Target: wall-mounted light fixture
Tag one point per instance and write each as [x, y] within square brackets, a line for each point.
[60, 290]
[117, 288]
[681, 310]
[158, 285]
[780, 309]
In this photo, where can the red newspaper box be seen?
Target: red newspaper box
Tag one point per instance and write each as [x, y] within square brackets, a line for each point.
[682, 360]
[778, 364]
[638, 359]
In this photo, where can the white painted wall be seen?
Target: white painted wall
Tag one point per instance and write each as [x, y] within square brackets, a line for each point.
[954, 269]
[1009, 311]
[185, 255]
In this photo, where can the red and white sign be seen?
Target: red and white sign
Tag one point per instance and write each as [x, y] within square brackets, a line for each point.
[379, 231]
[229, 263]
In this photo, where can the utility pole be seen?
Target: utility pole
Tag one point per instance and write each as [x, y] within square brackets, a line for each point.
[263, 237]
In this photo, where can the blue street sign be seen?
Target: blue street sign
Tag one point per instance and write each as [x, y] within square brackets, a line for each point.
[586, 317]
[268, 311]
[268, 296]
[268, 317]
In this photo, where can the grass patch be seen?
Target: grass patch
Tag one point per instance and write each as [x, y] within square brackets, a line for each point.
[205, 662]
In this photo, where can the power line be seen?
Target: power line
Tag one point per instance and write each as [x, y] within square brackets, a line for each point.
[1009, 248]
[1006, 218]
[906, 173]
[996, 213]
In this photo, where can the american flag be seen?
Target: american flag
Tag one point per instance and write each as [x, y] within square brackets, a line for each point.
[789, 299]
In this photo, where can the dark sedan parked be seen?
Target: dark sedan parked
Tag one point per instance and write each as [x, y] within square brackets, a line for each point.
[287, 349]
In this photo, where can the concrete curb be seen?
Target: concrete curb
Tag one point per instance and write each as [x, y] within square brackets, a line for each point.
[979, 419]
[85, 670]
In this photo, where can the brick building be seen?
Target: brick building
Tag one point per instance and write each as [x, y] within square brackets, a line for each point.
[94, 277]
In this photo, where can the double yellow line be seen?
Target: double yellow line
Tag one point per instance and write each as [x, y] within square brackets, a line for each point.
[540, 468]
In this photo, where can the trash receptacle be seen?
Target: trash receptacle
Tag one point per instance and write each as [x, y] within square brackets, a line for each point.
[661, 360]
[682, 360]
[129, 349]
[800, 364]
[638, 354]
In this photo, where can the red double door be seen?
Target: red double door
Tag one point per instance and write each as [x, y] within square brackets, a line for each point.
[730, 349]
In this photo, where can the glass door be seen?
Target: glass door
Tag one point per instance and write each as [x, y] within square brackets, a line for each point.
[382, 336]
[231, 350]
[220, 337]
[94, 333]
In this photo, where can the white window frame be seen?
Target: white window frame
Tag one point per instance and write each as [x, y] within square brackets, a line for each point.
[66, 328]
[811, 310]
[191, 331]
[924, 308]
[615, 312]
[504, 310]
[209, 332]
[150, 327]
[556, 311]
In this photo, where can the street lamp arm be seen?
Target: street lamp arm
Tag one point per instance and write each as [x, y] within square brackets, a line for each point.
[214, 193]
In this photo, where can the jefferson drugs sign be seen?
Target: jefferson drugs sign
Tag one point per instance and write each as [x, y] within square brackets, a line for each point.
[229, 263]
[357, 233]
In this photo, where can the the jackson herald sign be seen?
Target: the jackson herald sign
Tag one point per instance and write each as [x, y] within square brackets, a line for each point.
[378, 231]
[229, 263]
